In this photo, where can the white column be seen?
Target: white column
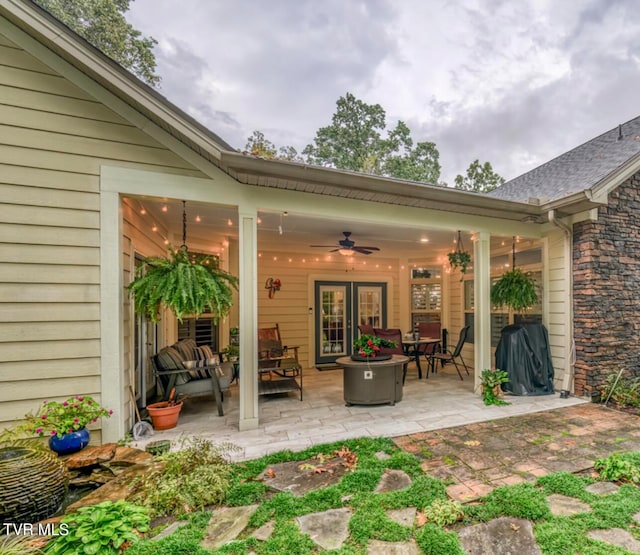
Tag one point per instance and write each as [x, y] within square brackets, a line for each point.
[248, 304]
[482, 308]
[111, 317]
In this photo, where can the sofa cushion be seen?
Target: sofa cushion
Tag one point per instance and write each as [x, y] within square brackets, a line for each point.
[204, 358]
[169, 359]
[185, 348]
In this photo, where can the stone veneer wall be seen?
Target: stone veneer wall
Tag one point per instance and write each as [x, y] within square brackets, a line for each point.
[606, 289]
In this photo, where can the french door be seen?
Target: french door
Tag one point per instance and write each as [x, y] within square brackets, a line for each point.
[340, 306]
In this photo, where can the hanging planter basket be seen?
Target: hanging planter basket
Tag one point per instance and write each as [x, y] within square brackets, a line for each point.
[183, 284]
[515, 289]
[33, 484]
[459, 258]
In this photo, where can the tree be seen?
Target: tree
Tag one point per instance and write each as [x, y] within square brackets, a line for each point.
[258, 145]
[480, 178]
[354, 142]
[103, 24]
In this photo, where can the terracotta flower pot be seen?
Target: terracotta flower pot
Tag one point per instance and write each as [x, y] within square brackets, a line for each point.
[164, 415]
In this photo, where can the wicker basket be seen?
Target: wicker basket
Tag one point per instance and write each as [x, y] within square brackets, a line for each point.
[33, 484]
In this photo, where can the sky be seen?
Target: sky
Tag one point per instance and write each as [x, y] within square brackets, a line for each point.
[513, 82]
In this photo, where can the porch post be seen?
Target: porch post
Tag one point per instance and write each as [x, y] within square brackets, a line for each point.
[482, 309]
[248, 304]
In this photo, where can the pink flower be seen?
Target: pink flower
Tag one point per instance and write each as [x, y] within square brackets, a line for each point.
[53, 432]
[110, 412]
[75, 420]
[44, 417]
[38, 430]
[65, 404]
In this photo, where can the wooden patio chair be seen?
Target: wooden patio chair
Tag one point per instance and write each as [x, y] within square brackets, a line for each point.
[276, 357]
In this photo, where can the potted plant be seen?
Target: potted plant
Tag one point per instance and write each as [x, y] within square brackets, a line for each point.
[515, 290]
[65, 423]
[231, 353]
[183, 285]
[459, 258]
[492, 381]
[367, 347]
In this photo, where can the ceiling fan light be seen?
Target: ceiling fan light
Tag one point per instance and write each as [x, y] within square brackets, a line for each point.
[346, 252]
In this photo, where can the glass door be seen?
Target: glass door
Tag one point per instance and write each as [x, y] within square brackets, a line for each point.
[371, 303]
[339, 307]
[333, 320]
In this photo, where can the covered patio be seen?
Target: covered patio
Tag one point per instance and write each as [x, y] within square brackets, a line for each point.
[441, 401]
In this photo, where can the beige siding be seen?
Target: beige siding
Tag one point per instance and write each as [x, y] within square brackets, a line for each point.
[54, 137]
[290, 306]
[557, 304]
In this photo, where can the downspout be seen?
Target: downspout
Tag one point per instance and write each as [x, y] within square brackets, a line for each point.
[567, 381]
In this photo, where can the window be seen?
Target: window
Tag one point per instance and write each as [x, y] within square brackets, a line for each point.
[426, 295]
[202, 329]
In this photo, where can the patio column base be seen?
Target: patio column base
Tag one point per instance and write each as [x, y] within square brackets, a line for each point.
[247, 424]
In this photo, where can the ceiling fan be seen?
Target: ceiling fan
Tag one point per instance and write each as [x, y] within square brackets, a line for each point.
[347, 247]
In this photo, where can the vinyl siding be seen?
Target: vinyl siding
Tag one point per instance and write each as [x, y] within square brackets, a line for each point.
[54, 137]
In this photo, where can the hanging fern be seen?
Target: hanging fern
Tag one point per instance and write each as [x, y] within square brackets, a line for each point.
[183, 286]
[515, 290]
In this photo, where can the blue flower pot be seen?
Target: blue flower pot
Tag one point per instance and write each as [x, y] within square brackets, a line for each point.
[70, 443]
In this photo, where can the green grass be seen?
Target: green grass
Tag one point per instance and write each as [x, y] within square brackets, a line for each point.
[369, 520]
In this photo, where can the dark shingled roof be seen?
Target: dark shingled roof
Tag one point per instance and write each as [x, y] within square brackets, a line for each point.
[576, 170]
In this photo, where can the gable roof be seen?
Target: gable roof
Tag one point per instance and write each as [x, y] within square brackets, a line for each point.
[582, 168]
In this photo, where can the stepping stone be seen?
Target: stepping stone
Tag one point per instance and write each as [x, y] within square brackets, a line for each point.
[383, 456]
[393, 480]
[170, 529]
[618, 537]
[561, 505]
[501, 536]
[297, 478]
[377, 547]
[636, 517]
[602, 488]
[328, 529]
[226, 524]
[264, 532]
[404, 517]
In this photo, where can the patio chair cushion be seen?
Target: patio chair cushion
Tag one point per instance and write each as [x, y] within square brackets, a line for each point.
[185, 348]
[204, 358]
[170, 359]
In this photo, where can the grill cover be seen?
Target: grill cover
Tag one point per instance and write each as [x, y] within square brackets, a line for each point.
[523, 352]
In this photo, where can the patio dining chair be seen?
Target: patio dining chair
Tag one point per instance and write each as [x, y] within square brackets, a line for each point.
[429, 329]
[365, 329]
[451, 356]
[392, 334]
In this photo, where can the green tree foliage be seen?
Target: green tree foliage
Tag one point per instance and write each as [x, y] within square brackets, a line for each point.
[103, 24]
[259, 145]
[480, 178]
[354, 142]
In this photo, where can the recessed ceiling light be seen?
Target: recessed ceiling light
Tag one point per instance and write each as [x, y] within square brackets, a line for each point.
[424, 240]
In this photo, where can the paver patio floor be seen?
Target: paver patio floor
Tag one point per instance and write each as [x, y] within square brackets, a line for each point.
[479, 457]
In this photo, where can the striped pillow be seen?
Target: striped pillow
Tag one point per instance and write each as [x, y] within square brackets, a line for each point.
[185, 348]
[204, 358]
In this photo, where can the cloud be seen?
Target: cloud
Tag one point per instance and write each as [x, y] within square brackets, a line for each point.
[513, 83]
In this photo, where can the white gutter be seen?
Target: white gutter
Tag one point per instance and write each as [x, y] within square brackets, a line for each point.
[567, 381]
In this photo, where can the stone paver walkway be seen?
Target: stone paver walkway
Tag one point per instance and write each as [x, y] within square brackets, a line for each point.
[480, 457]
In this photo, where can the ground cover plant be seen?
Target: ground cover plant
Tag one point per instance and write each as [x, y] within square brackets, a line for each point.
[437, 520]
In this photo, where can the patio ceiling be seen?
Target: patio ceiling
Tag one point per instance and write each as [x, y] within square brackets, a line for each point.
[210, 227]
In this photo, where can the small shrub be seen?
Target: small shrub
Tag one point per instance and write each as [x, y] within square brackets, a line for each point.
[620, 468]
[195, 476]
[103, 529]
[443, 512]
[626, 392]
[433, 540]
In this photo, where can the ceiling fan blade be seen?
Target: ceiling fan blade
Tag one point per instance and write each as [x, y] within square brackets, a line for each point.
[368, 248]
[336, 250]
[361, 250]
[323, 246]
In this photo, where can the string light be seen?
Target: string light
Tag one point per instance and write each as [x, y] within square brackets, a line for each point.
[198, 219]
[165, 208]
